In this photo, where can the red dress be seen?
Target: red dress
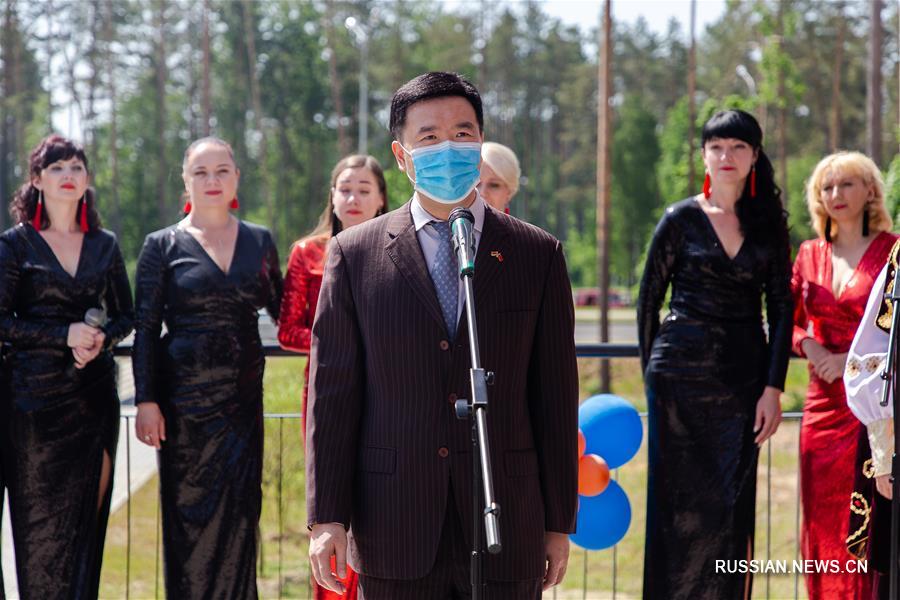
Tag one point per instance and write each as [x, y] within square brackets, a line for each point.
[829, 432]
[298, 309]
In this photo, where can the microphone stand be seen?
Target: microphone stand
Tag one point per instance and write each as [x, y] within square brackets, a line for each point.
[891, 388]
[461, 221]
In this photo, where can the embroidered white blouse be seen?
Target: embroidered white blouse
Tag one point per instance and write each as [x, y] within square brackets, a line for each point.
[863, 382]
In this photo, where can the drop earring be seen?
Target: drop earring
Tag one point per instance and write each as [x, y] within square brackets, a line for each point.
[83, 220]
[38, 210]
[828, 230]
[707, 186]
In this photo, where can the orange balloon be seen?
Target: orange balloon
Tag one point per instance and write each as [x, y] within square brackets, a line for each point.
[593, 475]
[582, 444]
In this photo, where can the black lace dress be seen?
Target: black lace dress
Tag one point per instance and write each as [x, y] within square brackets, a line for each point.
[705, 368]
[58, 420]
[206, 375]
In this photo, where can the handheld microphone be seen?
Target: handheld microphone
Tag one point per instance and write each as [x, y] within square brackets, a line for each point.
[95, 317]
[461, 226]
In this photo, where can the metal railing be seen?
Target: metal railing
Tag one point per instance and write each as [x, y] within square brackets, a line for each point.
[597, 560]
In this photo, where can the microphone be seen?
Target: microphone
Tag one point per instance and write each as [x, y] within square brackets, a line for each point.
[95, 317]
[461, 226]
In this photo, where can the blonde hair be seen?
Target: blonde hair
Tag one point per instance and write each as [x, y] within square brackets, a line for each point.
[503, 162]
[853, 164]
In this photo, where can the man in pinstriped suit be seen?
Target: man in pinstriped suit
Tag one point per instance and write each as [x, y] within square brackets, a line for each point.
[386, 456]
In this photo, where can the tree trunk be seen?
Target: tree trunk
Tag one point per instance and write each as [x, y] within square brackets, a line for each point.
[604, 148]
[256, 103]
[873, 83]
[334, 78]
[782, 111]
[206, 98]
[90, 128]
[692, 92]
[834, 131]
[162, 169]
[7, 122]
[108, 34]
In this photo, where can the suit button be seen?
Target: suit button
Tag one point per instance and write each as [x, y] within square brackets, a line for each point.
[445, 345]
[452, 398]
[443, 452]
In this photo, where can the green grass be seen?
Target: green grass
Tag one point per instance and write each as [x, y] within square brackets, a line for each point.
[283, 534]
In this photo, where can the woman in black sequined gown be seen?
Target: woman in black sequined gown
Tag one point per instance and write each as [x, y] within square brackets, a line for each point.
[199, 387]
[60, 409]
[712, 378]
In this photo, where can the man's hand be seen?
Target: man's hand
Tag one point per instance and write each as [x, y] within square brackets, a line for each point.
[556, 548]
[327, 540]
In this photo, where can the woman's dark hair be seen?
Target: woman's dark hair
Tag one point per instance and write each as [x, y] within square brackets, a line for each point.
[329, 225]
[762, 217]
[52, 149]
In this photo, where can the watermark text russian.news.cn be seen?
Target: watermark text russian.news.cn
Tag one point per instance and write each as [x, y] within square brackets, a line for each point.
[757, 566]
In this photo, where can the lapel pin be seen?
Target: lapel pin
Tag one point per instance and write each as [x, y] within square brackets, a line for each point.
[496, 254]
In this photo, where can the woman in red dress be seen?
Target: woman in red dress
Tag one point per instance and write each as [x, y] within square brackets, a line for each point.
[358, 193]
[832, 278]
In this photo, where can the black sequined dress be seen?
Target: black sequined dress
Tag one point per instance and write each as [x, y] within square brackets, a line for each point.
[57, 421]
[206, 375]
[705, 367]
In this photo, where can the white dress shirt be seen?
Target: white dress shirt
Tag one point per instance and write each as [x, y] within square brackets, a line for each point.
[429, 240]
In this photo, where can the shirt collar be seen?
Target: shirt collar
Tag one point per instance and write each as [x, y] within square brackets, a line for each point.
[422, 217]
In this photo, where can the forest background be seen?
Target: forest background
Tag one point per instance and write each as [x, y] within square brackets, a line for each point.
[281, 81]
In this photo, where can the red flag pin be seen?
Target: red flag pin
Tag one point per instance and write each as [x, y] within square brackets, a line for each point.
[496, 254]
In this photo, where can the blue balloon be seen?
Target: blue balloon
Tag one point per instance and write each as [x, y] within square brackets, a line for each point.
[603, 520]
[611, 427]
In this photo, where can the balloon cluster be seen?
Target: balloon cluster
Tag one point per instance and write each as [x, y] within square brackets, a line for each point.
[609, 435]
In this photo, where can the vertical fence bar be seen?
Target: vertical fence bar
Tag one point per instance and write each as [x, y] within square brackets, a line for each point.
[615, 553]
[584, 577]
[280, 512]
[797, 528]
[158, 535]
[128, 507]
[768, 511]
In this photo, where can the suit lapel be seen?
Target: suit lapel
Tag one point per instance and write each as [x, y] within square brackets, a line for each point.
[403, 248]
[491, 252]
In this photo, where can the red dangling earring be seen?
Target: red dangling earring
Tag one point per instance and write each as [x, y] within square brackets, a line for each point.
[707, 187]
[38, 209]
[83, 220]
[187, 207]
[753, 181]
[235, 204]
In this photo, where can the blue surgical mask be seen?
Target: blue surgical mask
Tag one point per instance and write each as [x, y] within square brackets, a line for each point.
[446, 172]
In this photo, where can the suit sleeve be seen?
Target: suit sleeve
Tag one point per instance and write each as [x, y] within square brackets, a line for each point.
[553, 398]
[335, 397]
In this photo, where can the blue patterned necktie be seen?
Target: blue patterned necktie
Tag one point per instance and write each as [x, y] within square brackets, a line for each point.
[444, 275]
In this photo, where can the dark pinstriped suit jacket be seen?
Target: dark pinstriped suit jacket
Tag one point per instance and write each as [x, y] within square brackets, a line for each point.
[383, 443]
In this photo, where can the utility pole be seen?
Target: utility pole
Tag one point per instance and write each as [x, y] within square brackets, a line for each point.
[604, 130]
